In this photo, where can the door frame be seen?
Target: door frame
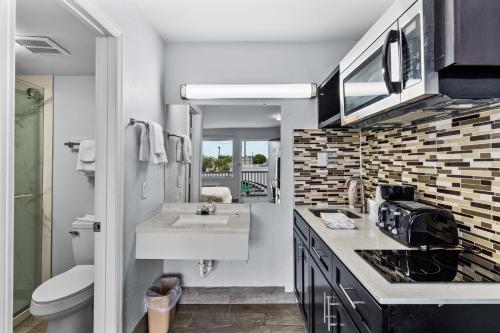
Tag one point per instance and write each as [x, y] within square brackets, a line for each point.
[109, 191]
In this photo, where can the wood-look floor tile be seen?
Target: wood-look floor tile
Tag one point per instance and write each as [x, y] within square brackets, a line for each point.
[248, 319]
[286, 329]
[279, 319]
[276, 308]
[182, 320]
[210, 320]
[206, 308]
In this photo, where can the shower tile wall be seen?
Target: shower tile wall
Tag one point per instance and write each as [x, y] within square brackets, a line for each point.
[320, 185]
[454, 163]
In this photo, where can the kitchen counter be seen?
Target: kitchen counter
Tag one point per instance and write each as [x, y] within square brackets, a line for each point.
[366, 236]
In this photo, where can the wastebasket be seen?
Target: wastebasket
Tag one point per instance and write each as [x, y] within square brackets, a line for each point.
[160, 301]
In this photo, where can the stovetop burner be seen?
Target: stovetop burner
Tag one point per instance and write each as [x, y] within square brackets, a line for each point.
[435, 265]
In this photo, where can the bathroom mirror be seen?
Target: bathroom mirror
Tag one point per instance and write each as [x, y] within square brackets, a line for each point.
[236, 154]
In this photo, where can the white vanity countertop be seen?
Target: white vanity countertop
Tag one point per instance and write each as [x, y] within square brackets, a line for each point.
[366, 236]
[239, 219]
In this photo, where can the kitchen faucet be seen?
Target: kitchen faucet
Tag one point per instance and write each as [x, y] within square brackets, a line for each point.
[359, 182]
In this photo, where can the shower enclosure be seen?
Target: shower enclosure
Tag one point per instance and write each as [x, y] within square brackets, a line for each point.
[28, 216]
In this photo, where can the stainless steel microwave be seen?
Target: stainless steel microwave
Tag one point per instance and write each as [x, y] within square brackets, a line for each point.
[408, 66]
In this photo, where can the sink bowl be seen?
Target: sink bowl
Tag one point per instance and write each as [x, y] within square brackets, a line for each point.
[200, 220]
[317, 212]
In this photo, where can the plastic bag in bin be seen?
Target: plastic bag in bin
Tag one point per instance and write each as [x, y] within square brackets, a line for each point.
[163, 295]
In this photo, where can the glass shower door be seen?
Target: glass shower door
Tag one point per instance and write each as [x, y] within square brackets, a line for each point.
[28, 193]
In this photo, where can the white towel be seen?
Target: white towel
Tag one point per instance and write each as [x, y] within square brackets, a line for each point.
[156, 144]
[187, 149]
[337, 221]
[86, 157]
[86, 151]
[144, 149]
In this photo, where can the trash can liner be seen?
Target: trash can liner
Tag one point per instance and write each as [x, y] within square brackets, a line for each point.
[163, 295]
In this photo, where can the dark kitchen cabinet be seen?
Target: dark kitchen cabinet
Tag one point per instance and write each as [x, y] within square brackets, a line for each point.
[329, 101]
[298, 268]
[332, 300]
[322, 317]
[313, 268]
[328, 314]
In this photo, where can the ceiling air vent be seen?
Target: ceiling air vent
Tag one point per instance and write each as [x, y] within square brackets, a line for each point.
[41, 45]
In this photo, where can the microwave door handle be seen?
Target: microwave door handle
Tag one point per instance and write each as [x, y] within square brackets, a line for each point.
[392, 87]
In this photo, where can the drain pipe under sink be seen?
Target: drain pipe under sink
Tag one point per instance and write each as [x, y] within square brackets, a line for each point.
[206, 267]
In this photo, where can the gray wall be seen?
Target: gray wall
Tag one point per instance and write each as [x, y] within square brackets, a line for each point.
[143, 98]
[73, 192]
[271, 262]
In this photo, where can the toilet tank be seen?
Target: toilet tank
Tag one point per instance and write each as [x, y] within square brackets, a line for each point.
[82, 238]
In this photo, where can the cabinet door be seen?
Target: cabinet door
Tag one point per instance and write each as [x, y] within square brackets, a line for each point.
[298, 268]
[307, 285]
[344, 321]
[322, 315]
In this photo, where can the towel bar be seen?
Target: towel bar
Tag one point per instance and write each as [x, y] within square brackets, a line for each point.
[134, 121]
[71, 144]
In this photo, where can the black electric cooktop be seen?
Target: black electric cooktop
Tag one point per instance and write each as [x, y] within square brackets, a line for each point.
[435, 265]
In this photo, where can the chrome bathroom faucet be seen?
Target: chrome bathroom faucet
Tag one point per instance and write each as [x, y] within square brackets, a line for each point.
[206, 209]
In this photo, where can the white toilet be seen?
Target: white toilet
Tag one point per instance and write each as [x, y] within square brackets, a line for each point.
[66, 300]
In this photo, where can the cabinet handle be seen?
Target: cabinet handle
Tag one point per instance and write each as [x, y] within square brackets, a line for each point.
[328, 305]
[300, 247]
[351, 302]
[324, 307]
[316, 252]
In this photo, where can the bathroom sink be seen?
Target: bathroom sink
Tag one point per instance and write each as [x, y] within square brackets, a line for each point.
[317, 212]
[179, 233]
[200, 220]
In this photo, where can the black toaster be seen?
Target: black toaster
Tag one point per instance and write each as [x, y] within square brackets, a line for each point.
[417, 224]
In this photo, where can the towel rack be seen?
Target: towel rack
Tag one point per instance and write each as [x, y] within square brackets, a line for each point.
[71, 144]
[134, 121]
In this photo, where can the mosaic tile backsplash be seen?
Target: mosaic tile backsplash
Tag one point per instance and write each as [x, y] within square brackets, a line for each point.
[315, 184]
[454, 163]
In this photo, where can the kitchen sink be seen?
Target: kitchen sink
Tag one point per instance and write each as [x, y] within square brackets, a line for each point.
[317, 212]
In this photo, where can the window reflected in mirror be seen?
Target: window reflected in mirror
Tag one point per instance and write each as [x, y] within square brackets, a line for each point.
[240, 154]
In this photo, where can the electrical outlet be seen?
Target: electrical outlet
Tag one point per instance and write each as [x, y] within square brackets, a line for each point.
[144, 191]
[322, 159]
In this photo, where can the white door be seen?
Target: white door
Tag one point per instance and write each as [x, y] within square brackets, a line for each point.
[108, 187]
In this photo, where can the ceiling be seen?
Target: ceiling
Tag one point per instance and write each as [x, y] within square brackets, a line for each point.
[262, 20]
[239, 116]
[47, 18]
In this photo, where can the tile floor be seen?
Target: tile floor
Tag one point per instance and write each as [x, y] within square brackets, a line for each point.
[235, 310]
[224, 310]
[238, 318]
[31, 325]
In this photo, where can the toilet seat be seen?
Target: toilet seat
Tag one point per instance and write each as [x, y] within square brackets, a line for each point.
[63, 292]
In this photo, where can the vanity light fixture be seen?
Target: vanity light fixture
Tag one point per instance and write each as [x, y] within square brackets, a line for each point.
[248, 91]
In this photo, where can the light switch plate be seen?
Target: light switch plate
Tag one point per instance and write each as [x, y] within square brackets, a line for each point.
[322, 159]
[144, 190]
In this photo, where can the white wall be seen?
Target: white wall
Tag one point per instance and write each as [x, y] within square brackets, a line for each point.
[73, 192]
[271, 262]
[143, 94]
